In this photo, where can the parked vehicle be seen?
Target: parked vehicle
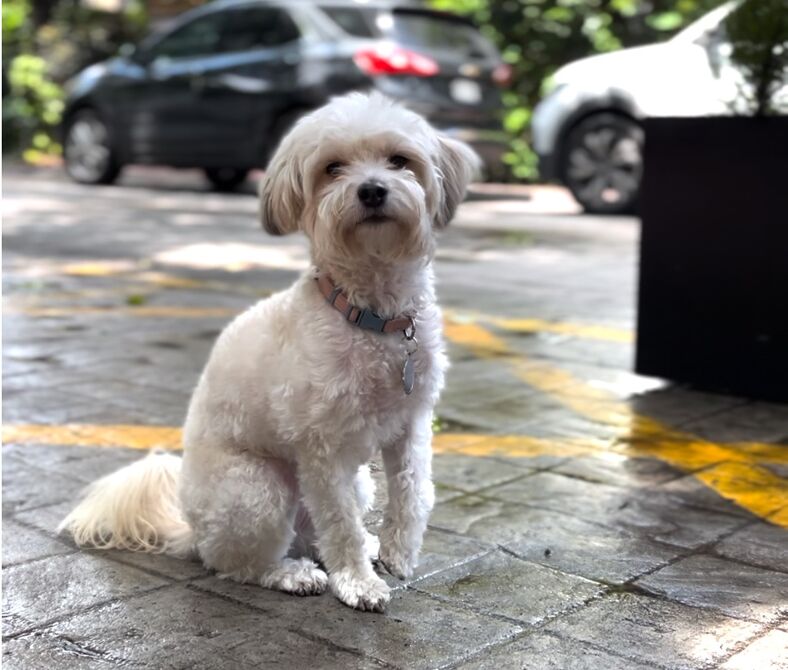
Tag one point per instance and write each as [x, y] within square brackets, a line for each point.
[219, 88]
[587, 131]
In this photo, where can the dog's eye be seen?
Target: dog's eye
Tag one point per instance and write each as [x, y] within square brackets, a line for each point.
[398, 162]
[334, 168]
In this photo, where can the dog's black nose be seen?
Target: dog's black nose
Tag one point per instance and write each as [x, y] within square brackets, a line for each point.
[372, 193]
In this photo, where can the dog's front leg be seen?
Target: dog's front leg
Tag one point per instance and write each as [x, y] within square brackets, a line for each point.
[329, 493]
[408, 464]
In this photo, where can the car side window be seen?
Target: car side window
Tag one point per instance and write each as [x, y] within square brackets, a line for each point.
[257, 28]
[353, 20]
[198, 38]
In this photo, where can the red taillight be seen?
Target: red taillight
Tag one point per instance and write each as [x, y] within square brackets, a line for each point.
[502, 74]
[391, 59]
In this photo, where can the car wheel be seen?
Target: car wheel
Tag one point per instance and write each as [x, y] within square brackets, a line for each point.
[226, 179]
[603, 163]
[88, 153]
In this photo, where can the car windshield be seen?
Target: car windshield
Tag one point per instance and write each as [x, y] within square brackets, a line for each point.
[423, 30]
[705, 24]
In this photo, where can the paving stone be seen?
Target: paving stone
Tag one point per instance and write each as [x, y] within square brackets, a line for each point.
[441, 551]
[503, 415]
[732, 588]
[660, 516]
[676, 406]
[618, 470]
[500, 584]
[84, 463]
[694, 492]
[555, 540]
[415, 632]
[769, 652]
[752, 422]
[471, 382]
[759, 543]
[22, 486]
[53, 587]
[45, 406]
[48, 518]
[540, 651]
[21, 544]
[649, 630]
[176, 628]
[471, 473]
[113, 368]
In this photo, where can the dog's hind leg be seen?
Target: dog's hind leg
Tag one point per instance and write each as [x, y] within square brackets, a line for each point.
[243, 511]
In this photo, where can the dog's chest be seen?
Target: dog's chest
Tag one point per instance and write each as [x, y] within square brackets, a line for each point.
[387, 368]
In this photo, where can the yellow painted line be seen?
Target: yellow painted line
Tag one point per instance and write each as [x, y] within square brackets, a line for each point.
[143, 311]
[736, 475]
[746, 484]
[475, 337]
[99, 268]
[533, 325]
[519, 446]
[750, 486]
[780, 517]
[583, 330]
[88, 435]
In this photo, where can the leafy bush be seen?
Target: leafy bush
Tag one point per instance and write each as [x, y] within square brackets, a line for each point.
[32, 108]
[758, 33]
[41, 50]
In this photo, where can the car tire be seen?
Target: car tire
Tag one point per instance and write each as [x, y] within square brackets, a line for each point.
[602, 163]
[226, 179]
[87, 149]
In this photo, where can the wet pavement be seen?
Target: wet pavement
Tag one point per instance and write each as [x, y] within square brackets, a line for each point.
[586, 517]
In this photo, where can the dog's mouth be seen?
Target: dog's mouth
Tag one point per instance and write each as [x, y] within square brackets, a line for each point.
[375, 219]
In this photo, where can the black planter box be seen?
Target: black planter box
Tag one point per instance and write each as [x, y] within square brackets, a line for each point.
[713, 297]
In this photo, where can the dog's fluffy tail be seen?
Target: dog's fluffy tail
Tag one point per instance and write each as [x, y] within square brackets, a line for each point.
[134, 508]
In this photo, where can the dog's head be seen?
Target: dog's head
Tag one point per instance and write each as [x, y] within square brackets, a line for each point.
[365, 177]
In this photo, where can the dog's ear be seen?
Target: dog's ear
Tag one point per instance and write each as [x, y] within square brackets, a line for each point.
[458, 165]
[281, 192]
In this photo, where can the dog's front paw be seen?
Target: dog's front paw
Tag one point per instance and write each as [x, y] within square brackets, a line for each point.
[395, 562]
[369, 593]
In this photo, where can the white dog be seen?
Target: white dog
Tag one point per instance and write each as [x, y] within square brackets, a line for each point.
[302, 389]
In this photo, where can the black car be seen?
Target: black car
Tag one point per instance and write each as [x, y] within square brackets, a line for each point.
[219, 88]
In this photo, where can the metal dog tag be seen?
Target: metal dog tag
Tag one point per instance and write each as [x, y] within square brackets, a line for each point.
[408, 374]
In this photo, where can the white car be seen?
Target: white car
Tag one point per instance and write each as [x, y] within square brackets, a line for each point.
[587, 130]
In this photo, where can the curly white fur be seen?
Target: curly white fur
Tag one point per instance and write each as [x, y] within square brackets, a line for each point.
[294, 400]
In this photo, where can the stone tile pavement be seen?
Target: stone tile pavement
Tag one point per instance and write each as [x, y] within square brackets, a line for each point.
[586, 518]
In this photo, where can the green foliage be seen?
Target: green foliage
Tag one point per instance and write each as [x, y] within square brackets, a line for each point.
[32, 107]
[536, 37]
[758, 33]
[38, 59]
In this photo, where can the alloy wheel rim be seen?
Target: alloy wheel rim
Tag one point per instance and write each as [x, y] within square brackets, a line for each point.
[87, 150]
[606, 166]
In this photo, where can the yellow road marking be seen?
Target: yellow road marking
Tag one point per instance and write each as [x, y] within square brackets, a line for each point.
[475, 337]
[747, 484]
[730, 470]
[88, 435]
[581, 330]
[147, 311]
